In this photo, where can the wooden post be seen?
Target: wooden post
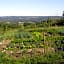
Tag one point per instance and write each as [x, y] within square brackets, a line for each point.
[44, 37]
[44, 43]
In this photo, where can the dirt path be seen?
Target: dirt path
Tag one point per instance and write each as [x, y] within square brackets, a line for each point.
[4, 43]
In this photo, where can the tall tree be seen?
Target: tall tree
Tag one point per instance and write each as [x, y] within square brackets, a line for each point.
[63, 14]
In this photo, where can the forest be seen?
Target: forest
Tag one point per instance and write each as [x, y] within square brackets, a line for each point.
[32, 42]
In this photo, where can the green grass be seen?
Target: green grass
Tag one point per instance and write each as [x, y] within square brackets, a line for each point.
[33, 38]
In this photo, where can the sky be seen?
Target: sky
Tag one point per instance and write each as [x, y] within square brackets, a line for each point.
[31, 7]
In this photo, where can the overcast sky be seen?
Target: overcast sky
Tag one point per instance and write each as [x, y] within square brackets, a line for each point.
[31, 7]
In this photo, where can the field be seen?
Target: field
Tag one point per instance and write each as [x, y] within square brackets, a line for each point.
[32, 43]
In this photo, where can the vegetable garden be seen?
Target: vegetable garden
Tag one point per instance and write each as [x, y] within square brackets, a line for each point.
[39, 44]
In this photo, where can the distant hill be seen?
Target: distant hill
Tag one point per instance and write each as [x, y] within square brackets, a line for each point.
[27, 18]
